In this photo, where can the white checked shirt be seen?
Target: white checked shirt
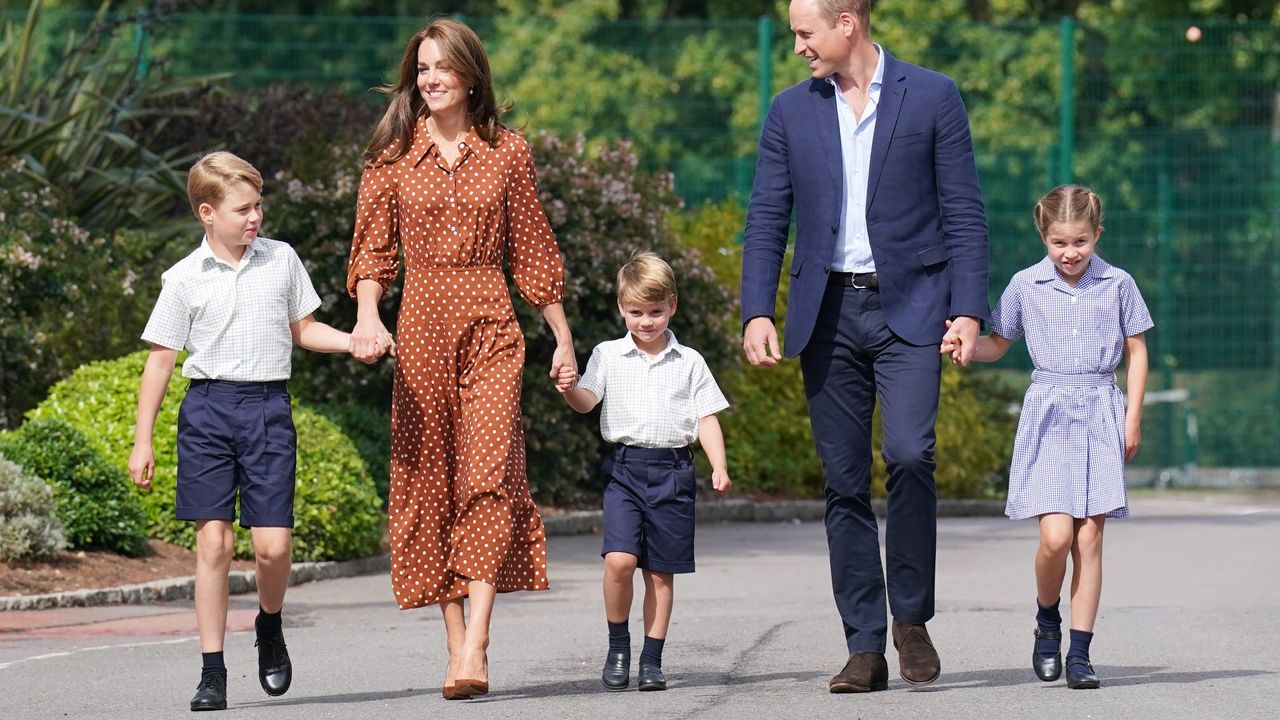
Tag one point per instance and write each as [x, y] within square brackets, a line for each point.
[652, 402]
[233, 320]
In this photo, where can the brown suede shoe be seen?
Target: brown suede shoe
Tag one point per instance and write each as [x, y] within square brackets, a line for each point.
[864, 672]
[917, 660]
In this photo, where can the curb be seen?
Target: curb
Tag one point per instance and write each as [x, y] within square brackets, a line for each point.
[582, 522]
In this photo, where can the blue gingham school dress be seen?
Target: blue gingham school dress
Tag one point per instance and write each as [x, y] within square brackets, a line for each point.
[1068, 456]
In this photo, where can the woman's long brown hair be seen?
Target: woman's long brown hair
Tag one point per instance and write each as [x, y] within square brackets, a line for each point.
[465, 55]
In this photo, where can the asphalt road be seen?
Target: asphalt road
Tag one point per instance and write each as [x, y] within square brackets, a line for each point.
[1188, 629]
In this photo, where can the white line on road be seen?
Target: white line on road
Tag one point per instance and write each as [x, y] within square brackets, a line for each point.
[48, 656]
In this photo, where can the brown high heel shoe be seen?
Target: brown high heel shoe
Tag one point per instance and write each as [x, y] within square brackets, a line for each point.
[448, 690]
[467, 688]
[470, 687]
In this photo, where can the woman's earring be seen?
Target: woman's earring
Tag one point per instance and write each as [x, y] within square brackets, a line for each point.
[471, 91]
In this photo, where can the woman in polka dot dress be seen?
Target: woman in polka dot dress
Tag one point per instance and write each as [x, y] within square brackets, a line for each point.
[450, 186]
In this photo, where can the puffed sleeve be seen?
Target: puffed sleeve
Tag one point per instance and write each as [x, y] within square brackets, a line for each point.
[375, 248]
[534, 257]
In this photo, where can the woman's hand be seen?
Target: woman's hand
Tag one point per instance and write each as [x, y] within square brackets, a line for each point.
[563, 358]
[370, 340]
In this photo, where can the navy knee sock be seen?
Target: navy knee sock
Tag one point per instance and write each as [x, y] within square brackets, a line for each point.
[213, 663]
[619, 637]
[1079, 646]
[652, 653]
[1048, 618]
[268, 624]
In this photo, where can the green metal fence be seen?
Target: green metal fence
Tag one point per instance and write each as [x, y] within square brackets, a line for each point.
[1173, 127]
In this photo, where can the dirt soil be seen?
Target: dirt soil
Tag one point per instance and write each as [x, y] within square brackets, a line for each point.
[91, 569]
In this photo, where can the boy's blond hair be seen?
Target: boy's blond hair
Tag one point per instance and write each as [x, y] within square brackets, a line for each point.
[213, 176]
[647, 278]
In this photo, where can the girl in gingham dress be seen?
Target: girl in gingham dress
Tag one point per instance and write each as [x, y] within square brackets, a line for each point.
[1078, 314]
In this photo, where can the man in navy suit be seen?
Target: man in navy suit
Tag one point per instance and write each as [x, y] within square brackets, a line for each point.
[874, 157]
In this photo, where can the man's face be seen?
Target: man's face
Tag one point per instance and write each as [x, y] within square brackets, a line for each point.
[824, 46]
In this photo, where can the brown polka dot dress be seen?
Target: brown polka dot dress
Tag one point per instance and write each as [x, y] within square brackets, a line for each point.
[459, 505]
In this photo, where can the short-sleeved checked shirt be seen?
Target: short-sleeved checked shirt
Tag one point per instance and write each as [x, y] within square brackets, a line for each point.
[233, 320]
[651, 401]
[1068, 456]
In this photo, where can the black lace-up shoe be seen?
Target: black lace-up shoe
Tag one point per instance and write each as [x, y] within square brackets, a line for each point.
[211, 693]
[275, 672]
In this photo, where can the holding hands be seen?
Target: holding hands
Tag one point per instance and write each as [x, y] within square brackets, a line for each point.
[566, 378]
[370, 341]
[960, 340]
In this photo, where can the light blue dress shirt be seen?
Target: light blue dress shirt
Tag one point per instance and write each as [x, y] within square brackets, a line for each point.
[853, 250]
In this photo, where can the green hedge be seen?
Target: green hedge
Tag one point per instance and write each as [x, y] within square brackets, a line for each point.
[29, 530]
[337, 511]
[92, 497]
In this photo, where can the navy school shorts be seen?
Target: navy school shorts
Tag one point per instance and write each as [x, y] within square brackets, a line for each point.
[237, 438]
[648, 506]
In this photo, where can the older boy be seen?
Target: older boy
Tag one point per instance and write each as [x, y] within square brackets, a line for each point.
[238, 304]
[659, 396]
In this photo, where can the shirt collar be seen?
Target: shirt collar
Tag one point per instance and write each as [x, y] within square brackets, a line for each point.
[205, 255]
[424, 143]
[628, 346]
[1046, 271]
[877, 77]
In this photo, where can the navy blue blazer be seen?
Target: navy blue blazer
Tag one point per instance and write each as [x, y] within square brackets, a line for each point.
[927, 226]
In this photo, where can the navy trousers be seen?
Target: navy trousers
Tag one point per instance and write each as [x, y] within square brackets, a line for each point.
[852, 360]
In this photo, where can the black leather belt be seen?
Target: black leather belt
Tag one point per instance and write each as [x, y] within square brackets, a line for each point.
[861, 281]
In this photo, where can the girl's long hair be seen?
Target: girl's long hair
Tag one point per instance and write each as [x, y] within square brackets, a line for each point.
[465, 55]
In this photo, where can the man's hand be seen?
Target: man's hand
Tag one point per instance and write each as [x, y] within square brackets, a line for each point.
[760, 342]
[962, 339]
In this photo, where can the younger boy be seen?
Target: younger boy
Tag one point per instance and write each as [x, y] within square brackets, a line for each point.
[238, 304]
[658, 398]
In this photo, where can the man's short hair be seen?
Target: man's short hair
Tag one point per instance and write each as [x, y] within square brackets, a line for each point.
[213, 176]
[859, 9]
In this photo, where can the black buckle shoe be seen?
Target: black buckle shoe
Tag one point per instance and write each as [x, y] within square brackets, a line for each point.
[275, 672]
[1080, 675]
[1047, 667]
[650, 677]
[617, 670]
[211, 693]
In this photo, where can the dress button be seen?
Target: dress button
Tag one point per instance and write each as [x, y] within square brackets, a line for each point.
[1074, 299]
[835, 229]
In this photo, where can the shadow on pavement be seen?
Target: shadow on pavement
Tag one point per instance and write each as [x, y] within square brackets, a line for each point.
[591, 686]
[339, 699]
[1112, 676]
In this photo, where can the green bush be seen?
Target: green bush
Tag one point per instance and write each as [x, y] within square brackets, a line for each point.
[336, 510]
[28, 528]
[51, 271]
[370, 431]
[93, 498]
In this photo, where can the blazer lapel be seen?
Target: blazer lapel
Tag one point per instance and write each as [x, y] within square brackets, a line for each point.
[829, 132]
[891, 92]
